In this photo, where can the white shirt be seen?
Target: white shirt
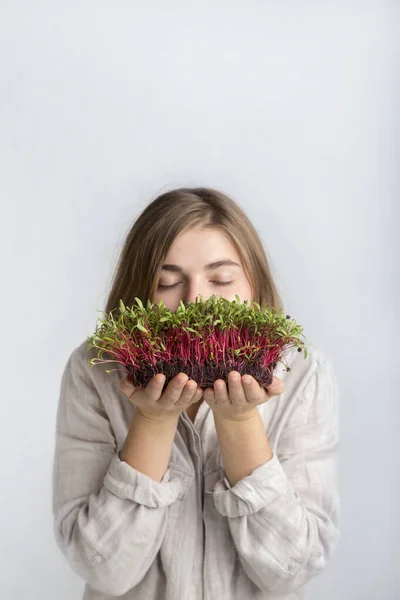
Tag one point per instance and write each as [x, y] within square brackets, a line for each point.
[192, 536]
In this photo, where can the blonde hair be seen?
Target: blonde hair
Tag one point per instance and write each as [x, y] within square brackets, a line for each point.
[171, 213]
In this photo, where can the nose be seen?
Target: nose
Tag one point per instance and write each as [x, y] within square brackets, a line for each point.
[191, 297]
[194, 290]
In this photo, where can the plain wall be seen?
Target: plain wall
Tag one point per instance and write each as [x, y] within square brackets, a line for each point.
[289, 107]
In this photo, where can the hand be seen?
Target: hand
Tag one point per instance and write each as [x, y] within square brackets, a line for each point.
[239, 400]
[156, 404]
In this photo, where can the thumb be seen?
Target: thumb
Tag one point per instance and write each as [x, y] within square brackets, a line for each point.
[276, 387]
[126, 382]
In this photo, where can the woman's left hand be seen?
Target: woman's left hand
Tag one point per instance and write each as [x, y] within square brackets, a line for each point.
[238, 399]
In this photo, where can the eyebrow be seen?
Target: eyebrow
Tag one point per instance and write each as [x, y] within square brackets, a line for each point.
[209, 267]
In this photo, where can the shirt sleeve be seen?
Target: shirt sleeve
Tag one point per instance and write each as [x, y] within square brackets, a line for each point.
[284, 516]
[109, 518]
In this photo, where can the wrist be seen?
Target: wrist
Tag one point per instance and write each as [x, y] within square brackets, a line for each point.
[156, 420]
[247, 415]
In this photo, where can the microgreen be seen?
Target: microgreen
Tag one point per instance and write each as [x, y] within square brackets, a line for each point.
[204, 339]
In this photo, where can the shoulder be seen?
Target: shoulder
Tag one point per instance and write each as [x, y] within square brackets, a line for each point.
[101, 377]
[82, 353]
[311, 386]
[303, 367]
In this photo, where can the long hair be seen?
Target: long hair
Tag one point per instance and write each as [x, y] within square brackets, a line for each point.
[171, 213]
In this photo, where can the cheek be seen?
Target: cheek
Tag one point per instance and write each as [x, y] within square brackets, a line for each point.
[244, 292]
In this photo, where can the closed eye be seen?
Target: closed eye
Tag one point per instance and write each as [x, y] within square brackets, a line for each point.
[169, 287]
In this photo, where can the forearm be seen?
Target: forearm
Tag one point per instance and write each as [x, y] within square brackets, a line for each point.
[244, 444]
[148, 445]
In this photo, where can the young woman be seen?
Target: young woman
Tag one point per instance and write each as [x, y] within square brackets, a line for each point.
[222, 493]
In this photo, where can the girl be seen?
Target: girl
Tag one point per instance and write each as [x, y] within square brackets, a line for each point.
[186, 493]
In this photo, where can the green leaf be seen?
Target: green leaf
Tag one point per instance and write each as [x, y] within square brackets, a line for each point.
[139, 326]
[140, 303]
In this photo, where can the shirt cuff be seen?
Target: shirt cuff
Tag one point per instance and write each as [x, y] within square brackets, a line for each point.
[126, 482]
[253, 492]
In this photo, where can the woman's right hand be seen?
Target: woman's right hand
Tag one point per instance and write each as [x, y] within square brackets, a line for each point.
[154, 403]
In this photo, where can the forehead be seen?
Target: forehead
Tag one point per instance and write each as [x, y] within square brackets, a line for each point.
[208, 243]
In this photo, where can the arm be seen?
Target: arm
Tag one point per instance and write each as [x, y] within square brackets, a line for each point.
[148, 445]
[283, 514]
[109, 518]
[244, 444]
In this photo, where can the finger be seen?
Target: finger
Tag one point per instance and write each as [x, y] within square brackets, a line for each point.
[174, 389]
[188, 392]
[221, 392]
[209, 395]
[197, 395]
[127, 386]
[154, 388]
[251, 389]
[277, 387]
[236, 391]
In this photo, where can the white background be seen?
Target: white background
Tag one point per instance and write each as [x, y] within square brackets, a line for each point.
[292, 108]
